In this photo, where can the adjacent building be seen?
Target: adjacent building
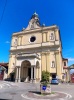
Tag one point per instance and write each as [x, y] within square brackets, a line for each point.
[34, 49]
[65, 74]
[3, 71]
[71, 74]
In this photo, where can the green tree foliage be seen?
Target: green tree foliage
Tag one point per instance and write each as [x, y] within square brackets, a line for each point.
[45, 76]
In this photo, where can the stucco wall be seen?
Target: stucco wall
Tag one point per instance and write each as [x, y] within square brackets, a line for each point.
[46, 50]
[11, 64]
[58, 65]
[42, 36]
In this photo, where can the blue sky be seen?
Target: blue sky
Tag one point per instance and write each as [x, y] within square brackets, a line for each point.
[18, 13]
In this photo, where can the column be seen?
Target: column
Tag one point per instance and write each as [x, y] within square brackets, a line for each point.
[35, 74]
[38, 73]
[19, 74]
[69, 75]
[16, 80]
[31, 74]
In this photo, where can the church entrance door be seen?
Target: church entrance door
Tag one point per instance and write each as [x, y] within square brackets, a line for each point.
[25, 71]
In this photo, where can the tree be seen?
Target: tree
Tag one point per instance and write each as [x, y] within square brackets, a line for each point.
[45, 76]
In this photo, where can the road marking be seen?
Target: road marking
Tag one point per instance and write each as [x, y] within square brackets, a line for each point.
[26, 97]
[4, 84]
[59, 99]
[7, 84]
[68, 96]
[1, 87]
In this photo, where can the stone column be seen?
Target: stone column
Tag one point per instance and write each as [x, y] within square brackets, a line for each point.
[31, 74]
[34, 74]
[69, 75]
[16, 80]
[19, 74]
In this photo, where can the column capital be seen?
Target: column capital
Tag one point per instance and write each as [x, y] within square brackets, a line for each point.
[47, 53]
[43, 53]
[18, 66]
[56, 52]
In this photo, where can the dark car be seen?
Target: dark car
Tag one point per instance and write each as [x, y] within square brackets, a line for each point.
[54, 81]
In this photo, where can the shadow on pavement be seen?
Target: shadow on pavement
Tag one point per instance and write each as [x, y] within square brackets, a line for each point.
[36, 92]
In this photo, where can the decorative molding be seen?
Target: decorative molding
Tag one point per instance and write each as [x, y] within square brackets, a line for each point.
[36, 30]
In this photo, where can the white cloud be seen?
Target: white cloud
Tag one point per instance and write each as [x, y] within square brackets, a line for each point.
[7, 42]
[70, 59]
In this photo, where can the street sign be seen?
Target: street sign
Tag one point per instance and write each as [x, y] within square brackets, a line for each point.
[43, 87]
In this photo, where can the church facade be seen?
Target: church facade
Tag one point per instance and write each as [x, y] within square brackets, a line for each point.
[35, 49]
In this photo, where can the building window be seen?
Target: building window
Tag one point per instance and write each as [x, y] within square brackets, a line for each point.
[32, 39]
[64, 63]
[53, 64]
[52, 36]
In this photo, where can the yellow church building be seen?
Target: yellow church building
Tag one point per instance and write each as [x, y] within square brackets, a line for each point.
[35, 49]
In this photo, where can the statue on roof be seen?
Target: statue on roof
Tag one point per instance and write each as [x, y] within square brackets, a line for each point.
[34, 22]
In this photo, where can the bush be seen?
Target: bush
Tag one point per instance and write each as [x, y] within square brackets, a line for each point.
[45, 76]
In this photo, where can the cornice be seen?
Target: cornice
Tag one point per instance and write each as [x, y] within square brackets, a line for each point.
[35, 30]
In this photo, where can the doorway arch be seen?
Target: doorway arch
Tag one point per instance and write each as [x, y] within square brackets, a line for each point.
[25, 71]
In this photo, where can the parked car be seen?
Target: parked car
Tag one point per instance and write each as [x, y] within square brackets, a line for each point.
[54, 81]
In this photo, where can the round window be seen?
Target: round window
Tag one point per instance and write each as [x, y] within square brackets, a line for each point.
[32, 39]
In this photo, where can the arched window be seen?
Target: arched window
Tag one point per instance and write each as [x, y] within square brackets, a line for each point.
[52, 36]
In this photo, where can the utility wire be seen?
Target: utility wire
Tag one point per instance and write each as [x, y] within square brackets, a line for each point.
[3, 11]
